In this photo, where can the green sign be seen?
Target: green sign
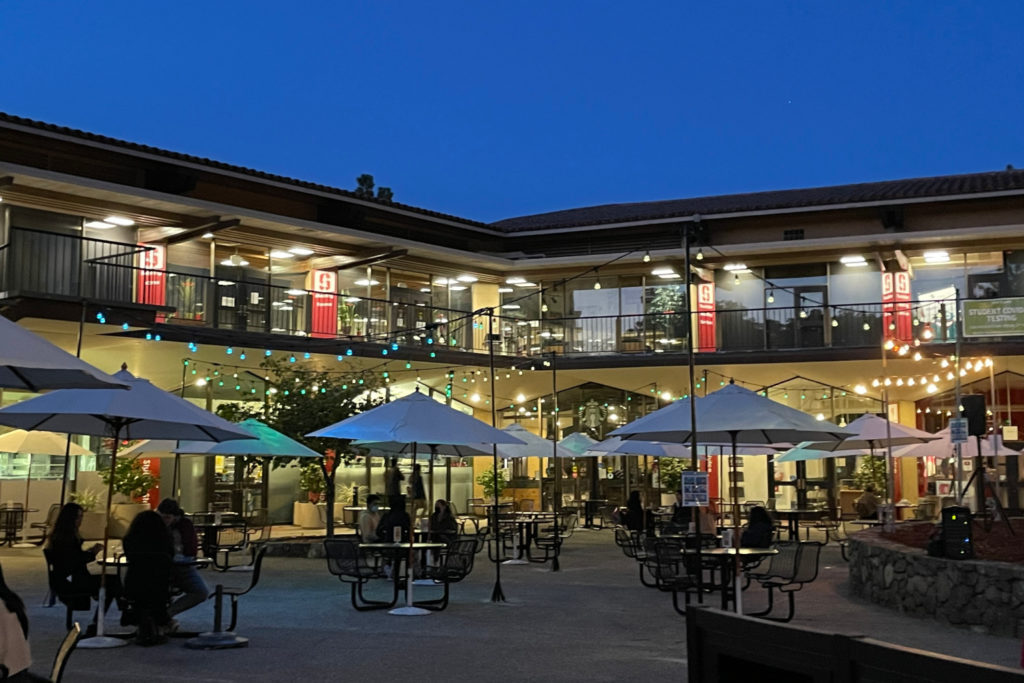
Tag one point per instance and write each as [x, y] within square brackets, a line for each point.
[994, 317]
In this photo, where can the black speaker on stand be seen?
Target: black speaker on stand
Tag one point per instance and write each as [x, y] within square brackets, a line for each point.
[972, 407]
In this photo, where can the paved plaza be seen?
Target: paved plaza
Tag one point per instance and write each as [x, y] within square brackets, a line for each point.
[591, 621]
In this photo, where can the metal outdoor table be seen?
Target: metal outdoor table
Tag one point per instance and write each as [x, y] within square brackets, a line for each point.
[726, 559]
[526, 527]
[590, 508]
[12, 521]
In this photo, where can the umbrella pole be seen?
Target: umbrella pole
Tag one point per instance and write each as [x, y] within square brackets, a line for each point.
[448, 479]
[737, 590]
[410, 610]
[497, 594]
[24, 527]
[100, 640]
[174, 479]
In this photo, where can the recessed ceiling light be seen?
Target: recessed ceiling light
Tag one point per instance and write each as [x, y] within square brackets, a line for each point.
[854, 260]
[664, 270]
[352, 299]
[366, 283]
[295, 292]
[515, 280]
[425, 290]
[119, 220]
[735, 266]
[505, 290]
[467, 278]
[440, 281]
[511, 307]
[234, 260]
[670, 276]
[207, 235]
[100, 225]
[936, 256]
[457, 288]
[277, 253]
[301, 251]
[526, 284]
[225, 283]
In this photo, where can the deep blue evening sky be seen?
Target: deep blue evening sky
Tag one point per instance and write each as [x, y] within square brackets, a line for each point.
[495, 109]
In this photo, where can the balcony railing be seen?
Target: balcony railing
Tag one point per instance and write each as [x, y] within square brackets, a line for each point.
[48, 263]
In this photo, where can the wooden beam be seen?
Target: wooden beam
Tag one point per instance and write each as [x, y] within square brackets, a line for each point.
[213, 224]
[336, 262]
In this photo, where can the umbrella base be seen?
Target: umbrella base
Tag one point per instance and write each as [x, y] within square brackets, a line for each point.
[101, 642]
[507, 562]
[409, 611]
[215, 640]
[24, 544]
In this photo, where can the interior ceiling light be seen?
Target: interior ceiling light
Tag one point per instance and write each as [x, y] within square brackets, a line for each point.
[295, 292]
[936, 256]
[207, 235]
[511, 307]
[647, 256]
[467, 278]
[505, 290]
[441, 281]
[527, 284]
[700, 254]
[457, 288]
[119, 220]
[662, 270]
[366, 283]
[854, 261]
[669, 276]
[234, 260]
[277, 253]
[515, 280]
[100, 225]
[425, 290]
[301, 251]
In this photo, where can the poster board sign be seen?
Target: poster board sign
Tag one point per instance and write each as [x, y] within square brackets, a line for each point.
[958, 430]
[705, 316]
[994, 317]
[1010, 433]
[324, 285]
[695, 488]
[897, 310]
[151, 278]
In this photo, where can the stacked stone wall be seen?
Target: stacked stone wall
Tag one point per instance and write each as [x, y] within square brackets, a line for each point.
[987, 597]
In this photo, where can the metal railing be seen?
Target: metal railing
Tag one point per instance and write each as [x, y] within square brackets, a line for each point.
[43, 262]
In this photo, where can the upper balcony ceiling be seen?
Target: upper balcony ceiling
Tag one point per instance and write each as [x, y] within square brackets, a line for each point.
[79, 173]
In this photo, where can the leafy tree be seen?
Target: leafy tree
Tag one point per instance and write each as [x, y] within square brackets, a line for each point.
[130, 479]
[872, 471]
[488, 480]
[670, 473]
[364, 188]
[302, 400]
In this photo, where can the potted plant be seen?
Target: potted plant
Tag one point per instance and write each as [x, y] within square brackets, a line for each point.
[670, 474]
[311, 480]
[489, 481]
[132, 481]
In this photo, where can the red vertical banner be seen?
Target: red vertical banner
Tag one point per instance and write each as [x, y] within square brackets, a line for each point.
[324, 285]
[152, 496]
[151, 284]
[897, 310]
[706, 316]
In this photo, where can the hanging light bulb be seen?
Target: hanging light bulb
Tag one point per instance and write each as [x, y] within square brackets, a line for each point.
[835, 322]
[771, 296]
[700, 254]
[597, 284]
[647, 256]
[736, 278]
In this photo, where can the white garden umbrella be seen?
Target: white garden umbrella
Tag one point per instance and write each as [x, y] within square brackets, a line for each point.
[805, 450]
[29, 362]
[943, 447]
[871, 432]
[142, 412]
[37, 443]
[417, 419]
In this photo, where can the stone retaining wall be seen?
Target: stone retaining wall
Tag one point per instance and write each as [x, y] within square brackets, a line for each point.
[987, 597]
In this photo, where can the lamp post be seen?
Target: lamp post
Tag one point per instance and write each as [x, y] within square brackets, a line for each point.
[497, 594]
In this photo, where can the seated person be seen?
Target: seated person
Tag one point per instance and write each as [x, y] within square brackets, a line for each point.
[759, 531]
[147, 582]
[15, 654]
[184, 575]
[70, 560]
[369, 519]
[396, 516]
[867, 505]
[443, 524]
[635, 515]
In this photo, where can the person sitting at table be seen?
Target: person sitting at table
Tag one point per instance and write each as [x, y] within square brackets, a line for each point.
[396, 516]
[867, 505]
[369, 519]
[15, 653]
[634, 512]
[760, 529]
[443, 525]
[149, 549]
[184, 573]
[69, 559]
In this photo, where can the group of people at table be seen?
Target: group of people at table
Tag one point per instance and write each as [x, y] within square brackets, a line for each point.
[394, 524]
[164, 533]
[758, 532]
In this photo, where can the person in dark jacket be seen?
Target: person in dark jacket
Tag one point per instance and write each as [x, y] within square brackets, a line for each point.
[396, 516]
[149, 550]
[184, 574]
[759, 531]
[443, 524]
[71, 560]
[634, 512]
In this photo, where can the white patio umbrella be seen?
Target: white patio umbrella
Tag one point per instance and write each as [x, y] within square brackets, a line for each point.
[943, 447]
[805, 450]
[871, 432]
[37, 443]
[734, 415]
[578, 443]
[143, 411]
[27, 361]
[417, 419]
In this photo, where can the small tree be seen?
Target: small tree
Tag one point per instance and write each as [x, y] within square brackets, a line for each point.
[670, 473]
[489, 480]
[303, 401]
[130, 478]
[872, 471]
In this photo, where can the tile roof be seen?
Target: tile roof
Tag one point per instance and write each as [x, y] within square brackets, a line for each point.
[217, 165]
[884, 191]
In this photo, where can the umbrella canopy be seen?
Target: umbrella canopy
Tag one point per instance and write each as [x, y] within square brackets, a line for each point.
[806, 451]
[27, 361]
[732, 415]
[578, 443]
[871, 432]
[415, 419]
[532, 446]
[943, 447]
[143, 411]
[616, 445]
[263, 441]
[39, 443]
[448, 450]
